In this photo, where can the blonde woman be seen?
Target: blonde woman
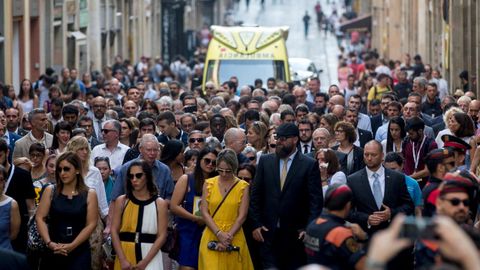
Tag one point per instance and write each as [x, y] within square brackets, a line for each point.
[257, 135]
[446, 117]
[93, 179]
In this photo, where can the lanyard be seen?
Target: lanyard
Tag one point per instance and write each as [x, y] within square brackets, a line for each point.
[416, 156]
[9, 179]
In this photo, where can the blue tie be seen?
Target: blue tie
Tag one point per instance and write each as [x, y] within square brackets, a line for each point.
[377, 191]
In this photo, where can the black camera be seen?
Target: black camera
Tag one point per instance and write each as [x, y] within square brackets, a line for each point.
[415, 228]
[213, 245]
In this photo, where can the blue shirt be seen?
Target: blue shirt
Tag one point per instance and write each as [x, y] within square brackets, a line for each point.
[161, 175]
[414, 190]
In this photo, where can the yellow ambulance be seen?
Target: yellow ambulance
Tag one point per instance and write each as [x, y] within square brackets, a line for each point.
[247, 52]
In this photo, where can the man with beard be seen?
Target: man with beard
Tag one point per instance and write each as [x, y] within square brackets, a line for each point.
[415, 147]
[19, 186]
[363, 136]
[454, 197]
[305, 144]
[286, 195]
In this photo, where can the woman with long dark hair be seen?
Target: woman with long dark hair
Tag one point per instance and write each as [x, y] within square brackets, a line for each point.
[396, 133]
[72, 211]
[26, 97]
[139, 224]
[172, 156]
[185, 205]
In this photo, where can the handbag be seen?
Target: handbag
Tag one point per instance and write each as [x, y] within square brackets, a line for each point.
[35, 241]
[172, 244]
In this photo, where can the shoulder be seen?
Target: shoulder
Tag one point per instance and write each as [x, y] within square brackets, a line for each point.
[162, 166]
[19, 172]
[394, 174]
[338, 235]
[161, 203]
[357, 175]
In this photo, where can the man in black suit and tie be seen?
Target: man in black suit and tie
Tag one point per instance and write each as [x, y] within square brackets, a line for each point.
[378, 193]
[286, 195]
[363, 136]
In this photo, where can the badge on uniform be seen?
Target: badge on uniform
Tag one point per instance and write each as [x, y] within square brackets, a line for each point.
[352, 245]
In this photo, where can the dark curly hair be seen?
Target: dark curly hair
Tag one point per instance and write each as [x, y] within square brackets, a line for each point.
[147, 171]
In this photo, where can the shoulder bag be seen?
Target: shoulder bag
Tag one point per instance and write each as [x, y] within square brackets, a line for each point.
[35, 241]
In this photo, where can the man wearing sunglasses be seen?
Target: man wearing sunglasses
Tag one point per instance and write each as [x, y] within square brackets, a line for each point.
[286, 195]
[455, 195]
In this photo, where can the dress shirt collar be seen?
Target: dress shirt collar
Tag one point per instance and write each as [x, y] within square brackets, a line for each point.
[42, 140]
[380, 172]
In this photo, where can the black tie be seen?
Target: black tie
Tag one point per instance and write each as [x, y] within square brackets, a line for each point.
[305, 147]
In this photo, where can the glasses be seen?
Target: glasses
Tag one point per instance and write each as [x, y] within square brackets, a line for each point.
[136, 175]
[272, 145]
[99, 106]
[192, 140]
[225, 171]
[244, 178]
[251, 158]
[339, 131]
[106, 131]
[456, 202]
[64, 169]
[210, 161]
[36, 155]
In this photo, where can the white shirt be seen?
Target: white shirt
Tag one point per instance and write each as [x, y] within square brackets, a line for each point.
[309, 147]
[116, 156]
[364, 122]
[381, 178]
[94, 180]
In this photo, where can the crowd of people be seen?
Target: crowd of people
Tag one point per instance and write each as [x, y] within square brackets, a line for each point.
[125, 170]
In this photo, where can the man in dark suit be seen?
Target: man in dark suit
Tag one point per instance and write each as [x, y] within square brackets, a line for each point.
[363, 136]
[286, 195]
[382, 118]
[378, 193]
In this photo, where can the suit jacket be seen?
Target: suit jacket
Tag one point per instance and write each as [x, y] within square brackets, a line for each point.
[94, 141]
[310, 105]
[285, 211]
[438, 127]
[22, 146]
[376, 121]
[292, 208]
[358, 162]
[396, 197]
[364, 137]
[13, 137]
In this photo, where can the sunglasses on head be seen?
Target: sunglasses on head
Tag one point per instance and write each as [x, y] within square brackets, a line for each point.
[456, 201]
[210, 161]
[136, 175]
[192, 140]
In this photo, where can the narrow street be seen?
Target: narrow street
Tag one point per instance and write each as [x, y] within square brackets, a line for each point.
[317, 47]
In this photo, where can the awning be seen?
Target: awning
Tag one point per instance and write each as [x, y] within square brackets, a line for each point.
[77, 35]
[360, 24]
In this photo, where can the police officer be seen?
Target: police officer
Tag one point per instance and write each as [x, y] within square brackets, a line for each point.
[460, 147]
[438, 162]
[329, 240]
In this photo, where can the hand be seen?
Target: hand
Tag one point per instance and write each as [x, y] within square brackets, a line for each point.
[199, 221]
[141, 265]
[454, 242]
[358, 232]
[384, 215]
[221, 247]
[374, 220]
[125, 265]
[225, 238]
[385, 244]
[257, 234]
[106, 232]
[301, 235]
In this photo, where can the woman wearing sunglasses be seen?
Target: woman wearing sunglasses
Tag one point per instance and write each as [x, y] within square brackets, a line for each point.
[139, 224]
[72, 211]
[185, 205]
[224, 208]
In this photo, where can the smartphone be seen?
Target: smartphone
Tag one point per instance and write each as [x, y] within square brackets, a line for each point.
[190, 109]
[418, 228]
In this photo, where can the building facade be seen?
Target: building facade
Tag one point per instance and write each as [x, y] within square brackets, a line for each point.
[88, 34]
[446, 33]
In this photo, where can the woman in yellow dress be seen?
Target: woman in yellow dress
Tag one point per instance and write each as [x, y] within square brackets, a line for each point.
[223, 244]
